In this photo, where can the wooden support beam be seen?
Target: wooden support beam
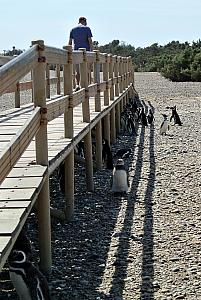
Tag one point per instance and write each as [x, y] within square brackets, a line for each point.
[68, 90]
[43, 202]
[118, 118]
[99, 143]
[84, 84]
[106, 129]
[17, 95]
[105, 78]
[113, 125]
[47, 81]
[111, 76]
[116, 74]
[97, 80]
[58, 79]
[89, 161]
[69, 186]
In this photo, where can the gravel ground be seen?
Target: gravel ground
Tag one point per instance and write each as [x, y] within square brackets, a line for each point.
[146, 245]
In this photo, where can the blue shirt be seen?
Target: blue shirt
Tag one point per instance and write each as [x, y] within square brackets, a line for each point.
[80, 35]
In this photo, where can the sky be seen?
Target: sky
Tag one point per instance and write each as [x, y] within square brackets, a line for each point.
[138, 23]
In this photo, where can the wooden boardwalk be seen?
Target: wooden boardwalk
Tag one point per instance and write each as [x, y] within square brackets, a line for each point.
[36, 138]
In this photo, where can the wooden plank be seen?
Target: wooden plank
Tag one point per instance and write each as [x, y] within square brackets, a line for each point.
[14, 204]
[31, 171]
[16, 194]
[22, 183]
[8, 226]
[4, 241]
[11, 214]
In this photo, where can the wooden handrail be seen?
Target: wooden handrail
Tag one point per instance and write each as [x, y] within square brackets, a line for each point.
[17, 68]
[14, 150]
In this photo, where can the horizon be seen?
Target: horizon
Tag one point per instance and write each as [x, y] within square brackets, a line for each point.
[120, 42]
[140, 25]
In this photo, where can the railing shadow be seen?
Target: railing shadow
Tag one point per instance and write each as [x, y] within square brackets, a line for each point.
[121, 263]
[147, 273]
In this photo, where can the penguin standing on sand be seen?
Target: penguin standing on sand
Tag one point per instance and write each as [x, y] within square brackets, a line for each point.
[165, 125]
[150, 117]
[175, 116]
[143, 117]
[119, 178]
[29, 282]
[107, 155]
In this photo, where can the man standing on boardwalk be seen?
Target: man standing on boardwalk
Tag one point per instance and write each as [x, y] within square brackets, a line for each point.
[81, 37]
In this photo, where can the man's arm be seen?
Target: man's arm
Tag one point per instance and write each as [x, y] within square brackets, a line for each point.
[90, 43]
[70, 41]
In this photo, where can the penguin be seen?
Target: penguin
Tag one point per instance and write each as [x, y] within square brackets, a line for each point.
[119, 178]
[165, 125]
[143, 117]
[29, 282]
[23, 243]
[107, 155]
[175, 116]
[150, 117]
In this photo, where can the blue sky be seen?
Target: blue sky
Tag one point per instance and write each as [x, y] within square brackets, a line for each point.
[139, 23]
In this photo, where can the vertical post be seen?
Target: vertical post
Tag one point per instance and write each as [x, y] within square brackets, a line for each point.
[68, 133]
[118, 118]
[121, 74]
[99, 145]
[89, 161]
[86, 118]
[105, 78]
[97, 80]
[47, 81]
[84, 84]
[17, 95]
[116, 74]
[68, 90]
[113, 125]
[106, 124]
[111, 76]
[58, 79]
[43, 203]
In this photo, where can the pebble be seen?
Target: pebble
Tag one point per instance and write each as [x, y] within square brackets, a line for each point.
[127, 248]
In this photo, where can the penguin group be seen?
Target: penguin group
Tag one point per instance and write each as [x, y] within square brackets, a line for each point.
[133, 115]
[27, 279]
[165, 125]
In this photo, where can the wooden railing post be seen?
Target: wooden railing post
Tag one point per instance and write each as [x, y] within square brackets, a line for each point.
[17, 95]
[68, 90]
[97, 80]
[68, 129]
[113, 125]
[106, 129]
[99, 143]
[121, 74]
[118, 118]
[105, 78]
[111, 76]
[43, 202]
[84, 84]
[86, 118]
[47, 81]
[89, 161]
[116, 74]
[58, 79]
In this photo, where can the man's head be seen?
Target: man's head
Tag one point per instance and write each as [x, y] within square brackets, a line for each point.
[83, 20]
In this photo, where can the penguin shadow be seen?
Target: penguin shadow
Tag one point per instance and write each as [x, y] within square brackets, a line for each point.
[126, 236]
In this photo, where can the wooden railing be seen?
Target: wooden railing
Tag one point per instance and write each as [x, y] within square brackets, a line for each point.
[112, 78]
